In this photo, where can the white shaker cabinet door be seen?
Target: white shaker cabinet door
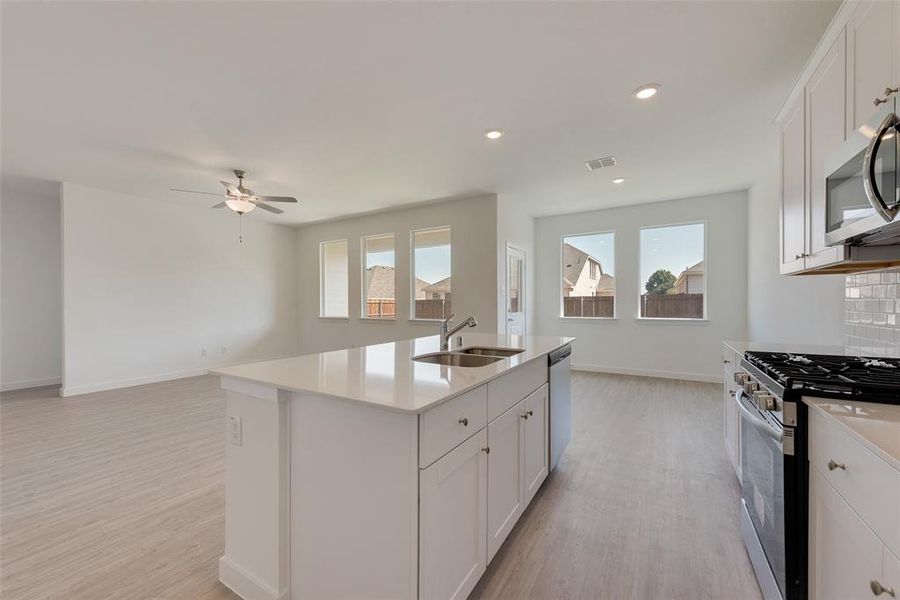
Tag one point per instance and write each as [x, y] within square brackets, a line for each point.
[794, 215]
[506, 439]
[845, 555]
[453, 521]
[536, 455]
[869, 51]
[890, 579]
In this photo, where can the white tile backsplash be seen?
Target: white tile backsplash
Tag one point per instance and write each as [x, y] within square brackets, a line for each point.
[872, 308]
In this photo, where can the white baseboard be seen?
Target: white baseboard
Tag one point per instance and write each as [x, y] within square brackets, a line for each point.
[648, 373]
[76, 390]
[29, 383]
[246, 585]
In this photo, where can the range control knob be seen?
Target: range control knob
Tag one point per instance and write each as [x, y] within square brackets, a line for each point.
[741, 378]
[751, 386]
[764, 400]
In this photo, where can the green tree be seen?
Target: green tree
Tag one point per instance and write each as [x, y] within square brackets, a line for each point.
[660, 282]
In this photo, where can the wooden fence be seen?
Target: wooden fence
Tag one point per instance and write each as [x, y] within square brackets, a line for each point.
[433, 308]
[381, 307]
[672, 306]
[589, 306]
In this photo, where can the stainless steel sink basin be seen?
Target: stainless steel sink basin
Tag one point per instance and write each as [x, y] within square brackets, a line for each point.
[457, 359]
[483, 351]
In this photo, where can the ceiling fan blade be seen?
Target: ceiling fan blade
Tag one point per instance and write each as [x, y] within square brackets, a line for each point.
[231, 189]
[272, 209]
[277, 198]
[195, 192]
[219, 205]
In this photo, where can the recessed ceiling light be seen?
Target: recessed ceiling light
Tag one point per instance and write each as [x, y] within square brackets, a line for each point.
[619, 180]
[493, 134]
[646, 91]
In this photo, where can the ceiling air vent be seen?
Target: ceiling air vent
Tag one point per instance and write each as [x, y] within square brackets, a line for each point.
[600, 163]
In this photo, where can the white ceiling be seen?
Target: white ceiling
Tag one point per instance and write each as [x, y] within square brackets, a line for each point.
[358, 106]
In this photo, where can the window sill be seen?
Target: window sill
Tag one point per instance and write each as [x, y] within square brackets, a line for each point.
[379, 319]
[672, 320]
[338, 319]
[587, 319]
[425, 321]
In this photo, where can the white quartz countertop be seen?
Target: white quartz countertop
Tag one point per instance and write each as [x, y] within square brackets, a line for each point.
[385, 374]
[876, 426]
[741, 347]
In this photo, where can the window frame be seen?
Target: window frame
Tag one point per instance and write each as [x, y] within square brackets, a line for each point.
[412, 269]
[641, 289]
[322, 246]
[562, 270]
[363, 300]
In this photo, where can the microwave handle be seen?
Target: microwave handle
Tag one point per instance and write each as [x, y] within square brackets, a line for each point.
[869, 184]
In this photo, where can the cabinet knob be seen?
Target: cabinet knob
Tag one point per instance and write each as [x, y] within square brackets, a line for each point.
[801, 255]
[464, 421]
[731, 392]
[888, 91]
[836, 465]
[879, 589]
[486, 450]
[525, 416]
[726, 361]
[879, 101]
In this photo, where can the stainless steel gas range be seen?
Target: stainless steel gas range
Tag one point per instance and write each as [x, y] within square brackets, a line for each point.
[774, 474]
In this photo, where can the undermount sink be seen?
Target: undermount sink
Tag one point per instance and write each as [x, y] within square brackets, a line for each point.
[457, 359]
[483, 351]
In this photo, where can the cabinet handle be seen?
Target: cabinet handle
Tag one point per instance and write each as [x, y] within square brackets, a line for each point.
[525, 416]
[801, 255]
[731, 392]
[486, 450]
[879, 101]
[836, 465]
[879, 589]
[726, 361]
[888, 91]
[464, 421]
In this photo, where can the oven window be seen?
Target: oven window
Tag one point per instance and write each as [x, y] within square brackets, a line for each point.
[762, 488]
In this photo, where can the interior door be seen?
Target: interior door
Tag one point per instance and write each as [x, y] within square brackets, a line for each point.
[515, 290]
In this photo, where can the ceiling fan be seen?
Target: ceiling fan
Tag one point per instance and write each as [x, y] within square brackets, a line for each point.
[241, 199]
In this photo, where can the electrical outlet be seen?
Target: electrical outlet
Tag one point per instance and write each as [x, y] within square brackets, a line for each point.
[224, 349]
[202, 351]
[234, 429]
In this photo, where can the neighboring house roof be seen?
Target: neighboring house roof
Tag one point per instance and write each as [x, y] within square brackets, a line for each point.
[380, 283]
[696, 269]
[438, 287]
[574, 261]
[607, 282]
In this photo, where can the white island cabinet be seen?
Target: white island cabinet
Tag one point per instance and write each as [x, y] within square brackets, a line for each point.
[361, 473]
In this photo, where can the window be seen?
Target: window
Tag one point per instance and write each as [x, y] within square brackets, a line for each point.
[431, 274]
[673, 278]
[379, 285]
[588, 276]
[333, 271]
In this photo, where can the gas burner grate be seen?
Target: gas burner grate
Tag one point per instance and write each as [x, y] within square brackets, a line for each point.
[845, 375]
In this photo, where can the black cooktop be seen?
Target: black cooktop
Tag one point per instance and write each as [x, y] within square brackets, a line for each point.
[857, 377]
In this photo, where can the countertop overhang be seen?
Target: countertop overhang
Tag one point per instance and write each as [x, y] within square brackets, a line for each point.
[385, 376]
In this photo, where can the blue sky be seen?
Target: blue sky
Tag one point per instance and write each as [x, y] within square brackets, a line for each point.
[674, 248]
[432, 264]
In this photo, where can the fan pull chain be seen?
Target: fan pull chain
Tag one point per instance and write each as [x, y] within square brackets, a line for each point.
[241, 229]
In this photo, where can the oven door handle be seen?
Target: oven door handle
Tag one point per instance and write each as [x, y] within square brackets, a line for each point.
[756, 420]
[869, 184]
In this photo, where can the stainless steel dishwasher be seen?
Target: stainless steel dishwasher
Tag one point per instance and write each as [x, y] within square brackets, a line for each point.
[560, 402]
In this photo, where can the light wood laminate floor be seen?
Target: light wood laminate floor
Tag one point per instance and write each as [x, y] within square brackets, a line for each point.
[120, 495]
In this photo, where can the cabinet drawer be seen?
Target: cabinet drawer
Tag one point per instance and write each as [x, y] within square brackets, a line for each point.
[729, 362]
[504, 392]
[870, 485]
[449, 424]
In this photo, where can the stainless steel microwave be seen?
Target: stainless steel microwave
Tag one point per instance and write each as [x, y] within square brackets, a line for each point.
[862, 188]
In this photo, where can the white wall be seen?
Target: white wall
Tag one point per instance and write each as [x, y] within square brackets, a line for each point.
[148, 283]
[515, 227]
[473, 226]
[31, 288]
[807, 309]
[690, 349]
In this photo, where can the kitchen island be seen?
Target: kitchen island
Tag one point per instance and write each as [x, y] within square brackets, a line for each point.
[363, 473]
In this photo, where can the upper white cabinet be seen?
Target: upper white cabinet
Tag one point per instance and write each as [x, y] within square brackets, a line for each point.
[857, 63]
[825, 131]
[869, 59]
